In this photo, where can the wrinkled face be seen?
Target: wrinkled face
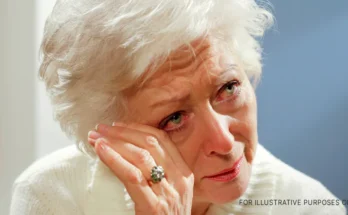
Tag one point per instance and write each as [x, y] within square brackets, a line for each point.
[208, 108]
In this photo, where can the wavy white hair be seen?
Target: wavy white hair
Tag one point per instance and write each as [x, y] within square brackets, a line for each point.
[94, 49]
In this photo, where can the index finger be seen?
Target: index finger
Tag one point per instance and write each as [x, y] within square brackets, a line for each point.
[132, 178]
[127, 132]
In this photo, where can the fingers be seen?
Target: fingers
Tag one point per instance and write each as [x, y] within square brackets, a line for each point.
[150, 145]
[160, 135]
[136, 132]
[164, 140]
[131, 176]
[139, 157]
[131, 152]
[127, 166]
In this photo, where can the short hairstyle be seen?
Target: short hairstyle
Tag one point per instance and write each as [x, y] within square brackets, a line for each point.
[93, 50]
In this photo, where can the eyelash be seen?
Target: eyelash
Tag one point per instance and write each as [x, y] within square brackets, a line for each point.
[177, 129]
[235, 83]
[165, 121]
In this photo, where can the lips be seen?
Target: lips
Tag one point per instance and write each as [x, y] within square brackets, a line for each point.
[226, 170]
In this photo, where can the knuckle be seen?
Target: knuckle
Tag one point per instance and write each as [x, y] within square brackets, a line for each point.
[172, 200]
[159, 208]
[176, 196]
[114, 160]
[144, 156]
[152, 142]
[134, 176]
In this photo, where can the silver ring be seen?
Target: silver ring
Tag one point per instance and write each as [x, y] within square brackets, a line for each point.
[157, 173]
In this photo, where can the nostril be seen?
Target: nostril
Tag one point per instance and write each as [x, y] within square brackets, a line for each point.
[221, 147]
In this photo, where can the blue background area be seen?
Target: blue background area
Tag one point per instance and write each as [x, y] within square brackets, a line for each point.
[303, 94]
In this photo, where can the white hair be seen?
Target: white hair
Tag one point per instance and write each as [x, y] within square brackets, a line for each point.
[94, 49]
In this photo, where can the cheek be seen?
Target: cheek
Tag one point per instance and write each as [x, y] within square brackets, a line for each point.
[251, 112]
[249, 119]
[190, 150]
[248, 113]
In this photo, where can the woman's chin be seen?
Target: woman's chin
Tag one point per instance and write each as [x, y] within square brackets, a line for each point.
[225, 196]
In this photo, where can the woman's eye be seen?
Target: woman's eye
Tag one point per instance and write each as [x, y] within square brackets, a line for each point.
[229, 91]
[174, 122]
[176, 118]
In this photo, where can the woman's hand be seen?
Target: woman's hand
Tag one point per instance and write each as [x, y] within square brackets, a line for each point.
[131, 151]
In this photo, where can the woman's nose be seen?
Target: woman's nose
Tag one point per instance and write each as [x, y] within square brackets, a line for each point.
[216, 135]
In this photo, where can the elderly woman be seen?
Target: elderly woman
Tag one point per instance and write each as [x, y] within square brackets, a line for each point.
[159, 96]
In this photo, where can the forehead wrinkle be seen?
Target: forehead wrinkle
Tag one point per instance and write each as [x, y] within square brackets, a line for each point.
[206, 80]
[209, 73]
[178, 90]
[181, 60]
[206, 60]
[187, 82]
[164, 78]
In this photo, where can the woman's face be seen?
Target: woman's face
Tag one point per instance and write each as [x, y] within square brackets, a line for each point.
[208, 108]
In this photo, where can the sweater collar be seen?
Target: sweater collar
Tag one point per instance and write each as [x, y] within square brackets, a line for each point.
[107, 195]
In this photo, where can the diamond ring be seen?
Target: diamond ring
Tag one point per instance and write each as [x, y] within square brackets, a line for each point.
[157, 173]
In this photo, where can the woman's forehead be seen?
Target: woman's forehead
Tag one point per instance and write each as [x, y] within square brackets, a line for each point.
[182, 72]
[201, 75]
[185, 81]
[205, 61]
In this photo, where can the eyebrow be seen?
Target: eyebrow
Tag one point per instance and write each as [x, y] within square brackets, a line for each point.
[175, 98]
[221, 78]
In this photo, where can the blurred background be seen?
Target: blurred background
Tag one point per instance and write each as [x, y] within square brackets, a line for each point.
[302, 98]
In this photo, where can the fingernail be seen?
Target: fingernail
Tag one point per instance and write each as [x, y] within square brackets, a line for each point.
[101, 144]
[118, 124]
[102, 128]
[91, 141]
[94, 135]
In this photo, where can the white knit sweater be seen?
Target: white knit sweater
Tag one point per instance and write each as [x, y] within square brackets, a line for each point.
[67, 182]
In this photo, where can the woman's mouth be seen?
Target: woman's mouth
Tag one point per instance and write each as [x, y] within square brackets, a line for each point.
[227, 174]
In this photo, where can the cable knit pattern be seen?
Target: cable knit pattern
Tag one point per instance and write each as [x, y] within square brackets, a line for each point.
[69, 182]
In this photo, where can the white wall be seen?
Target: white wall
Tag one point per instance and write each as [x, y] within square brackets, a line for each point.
[27, 129]
[17, 99]
[48, 133]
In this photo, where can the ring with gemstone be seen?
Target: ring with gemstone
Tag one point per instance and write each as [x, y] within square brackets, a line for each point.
[157, 173]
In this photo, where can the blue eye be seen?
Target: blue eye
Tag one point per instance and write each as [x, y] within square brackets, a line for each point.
[177, 121]
[174, 122]
[229, 91]
[230, 88]
[176, 118]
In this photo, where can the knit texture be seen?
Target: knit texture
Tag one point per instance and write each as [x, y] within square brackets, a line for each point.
[69, 182]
